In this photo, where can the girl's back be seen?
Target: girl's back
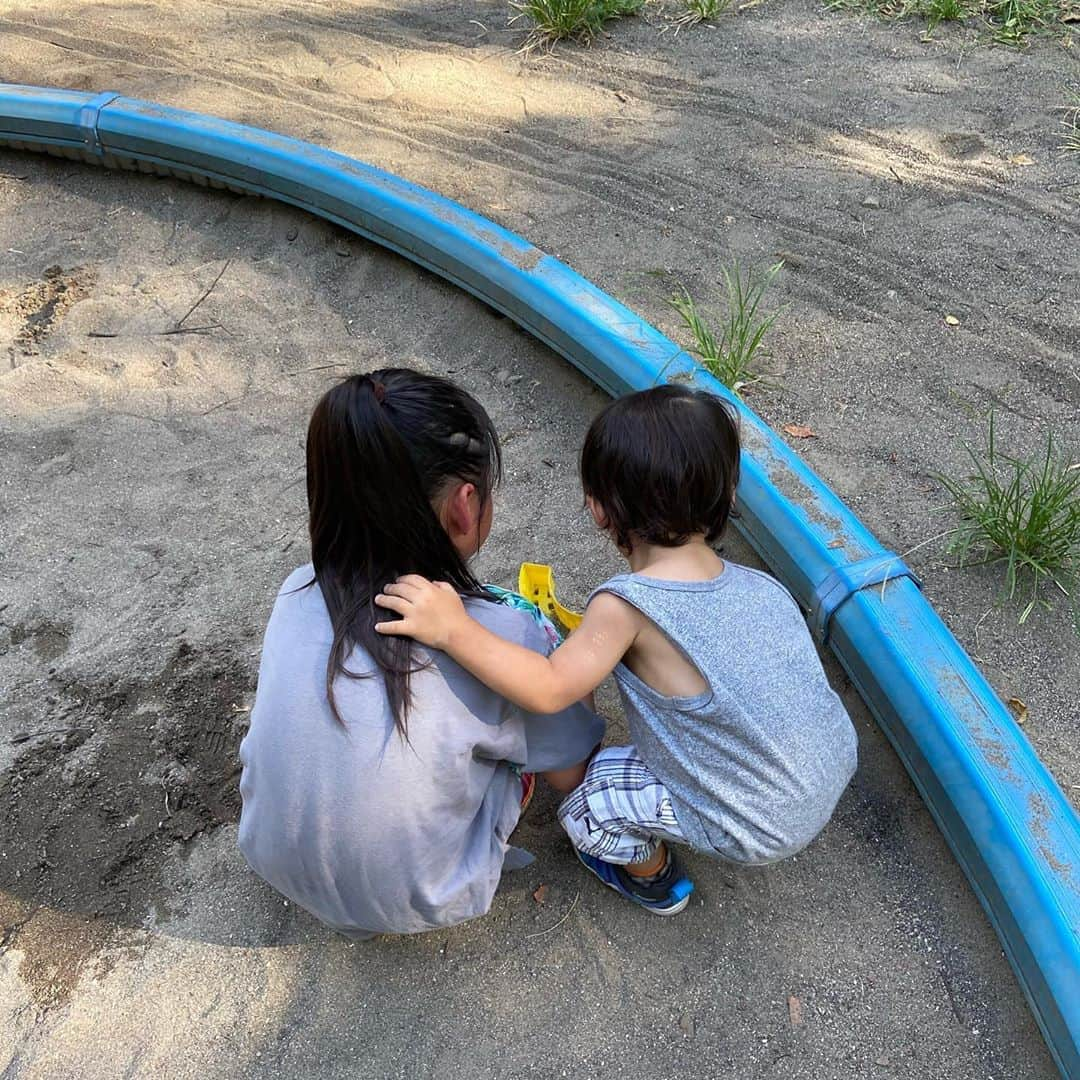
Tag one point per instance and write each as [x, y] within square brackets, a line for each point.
[369, 831]
[382, 804]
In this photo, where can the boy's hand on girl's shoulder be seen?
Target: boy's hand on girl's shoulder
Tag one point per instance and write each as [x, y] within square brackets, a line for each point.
[431, 611]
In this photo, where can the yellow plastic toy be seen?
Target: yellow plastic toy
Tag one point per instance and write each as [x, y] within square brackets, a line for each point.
[536, 582]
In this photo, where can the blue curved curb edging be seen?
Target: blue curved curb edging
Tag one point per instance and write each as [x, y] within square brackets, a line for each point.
[1007, 822]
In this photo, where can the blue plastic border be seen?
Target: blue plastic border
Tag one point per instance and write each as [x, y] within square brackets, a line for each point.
[1008, 823]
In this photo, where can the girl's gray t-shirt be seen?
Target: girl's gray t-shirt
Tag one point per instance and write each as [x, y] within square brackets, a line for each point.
[370, 833]
[756, 764]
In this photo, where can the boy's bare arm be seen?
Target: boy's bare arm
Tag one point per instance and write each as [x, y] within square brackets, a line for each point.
[434, 615]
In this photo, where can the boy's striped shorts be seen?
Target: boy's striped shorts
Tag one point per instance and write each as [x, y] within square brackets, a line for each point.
[621, 811]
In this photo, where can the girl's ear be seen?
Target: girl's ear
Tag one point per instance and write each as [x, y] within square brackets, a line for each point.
[459, 517]
[598, 515]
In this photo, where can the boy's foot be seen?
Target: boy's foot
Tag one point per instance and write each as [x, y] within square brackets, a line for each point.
[665, 894]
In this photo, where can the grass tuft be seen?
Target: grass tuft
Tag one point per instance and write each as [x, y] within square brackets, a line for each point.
[1009, 21]
[939, 11]
[552, 21]
[701, 11]
[733, 356]
[1023, 513]
[1012, 20]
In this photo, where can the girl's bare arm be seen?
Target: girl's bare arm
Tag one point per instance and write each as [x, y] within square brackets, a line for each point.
[433, 614]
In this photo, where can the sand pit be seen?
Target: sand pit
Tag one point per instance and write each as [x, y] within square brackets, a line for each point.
[152, 502]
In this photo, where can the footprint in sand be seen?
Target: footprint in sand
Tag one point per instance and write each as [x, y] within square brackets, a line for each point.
[27, 316]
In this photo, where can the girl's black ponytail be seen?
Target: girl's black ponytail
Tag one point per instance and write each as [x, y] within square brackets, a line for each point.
[381, 448]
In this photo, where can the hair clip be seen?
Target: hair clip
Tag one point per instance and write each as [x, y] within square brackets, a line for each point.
[462, 440]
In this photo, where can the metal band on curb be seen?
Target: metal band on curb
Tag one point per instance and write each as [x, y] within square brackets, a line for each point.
[843, 582]
[88, 121]
[1009, 825]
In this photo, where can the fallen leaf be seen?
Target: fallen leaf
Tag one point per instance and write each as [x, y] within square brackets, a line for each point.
[794, 1009]
[541, 894]
[1019, 710]
[799, 431]
[951, 320]
[1021, 159]
[835, 544]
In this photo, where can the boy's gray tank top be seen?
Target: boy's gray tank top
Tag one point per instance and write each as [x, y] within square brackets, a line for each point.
[756, 764]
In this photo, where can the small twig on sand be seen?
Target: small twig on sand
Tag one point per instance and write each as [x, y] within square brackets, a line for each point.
[213, 285]
[904, 554]
[979, 623]
[923, 543]
[193, 329]
[292, 538]
[101, 333]
[277, 495]
[559, 923]
[318, 367]
[222, 404]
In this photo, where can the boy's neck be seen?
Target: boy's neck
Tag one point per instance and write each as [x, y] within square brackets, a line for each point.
[692, 561]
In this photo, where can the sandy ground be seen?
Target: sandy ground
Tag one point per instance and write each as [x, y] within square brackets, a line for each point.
[151, 501]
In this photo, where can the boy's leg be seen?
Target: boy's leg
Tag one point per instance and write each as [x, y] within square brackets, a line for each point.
[565, 780]
[651, 866]
[618, 819]
[620, 812]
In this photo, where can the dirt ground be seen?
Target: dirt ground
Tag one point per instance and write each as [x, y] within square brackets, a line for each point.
[152, 500]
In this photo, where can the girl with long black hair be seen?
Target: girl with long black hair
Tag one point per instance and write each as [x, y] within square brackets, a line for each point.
[381, 781]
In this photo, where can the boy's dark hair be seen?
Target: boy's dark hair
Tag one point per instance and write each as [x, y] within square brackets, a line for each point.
[381, 448]
[662, 465]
